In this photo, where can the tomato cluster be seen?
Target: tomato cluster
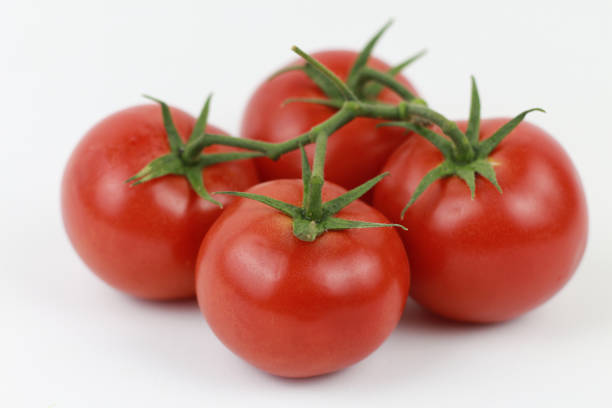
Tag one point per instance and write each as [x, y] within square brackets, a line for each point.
[298, 276]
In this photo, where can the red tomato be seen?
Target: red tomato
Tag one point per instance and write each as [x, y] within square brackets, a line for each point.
[500, 255]
[295, 308]
[355, 153]
[142, 240]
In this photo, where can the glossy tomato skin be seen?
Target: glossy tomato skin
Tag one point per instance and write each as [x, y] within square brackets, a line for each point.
[355, 153]
[293, 308]
[142, 240]
[500, 255]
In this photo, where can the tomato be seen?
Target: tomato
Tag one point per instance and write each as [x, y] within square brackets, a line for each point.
[499, 255]
[142, 240]
[355, 153]
[295, 308]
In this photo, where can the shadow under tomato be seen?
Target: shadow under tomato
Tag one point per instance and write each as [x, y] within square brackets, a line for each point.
[200, 348]
[177, 305]
[422, 341]
[308, 381]
[417, 317]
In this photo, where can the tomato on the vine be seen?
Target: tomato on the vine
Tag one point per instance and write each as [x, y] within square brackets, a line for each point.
[144, 239]
[296, 308]
[498, 255]
[355, 153]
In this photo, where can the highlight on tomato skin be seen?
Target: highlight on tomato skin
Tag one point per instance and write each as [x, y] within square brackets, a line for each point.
[294, 308]
[355, 153]
[142, 240]
[499, 255]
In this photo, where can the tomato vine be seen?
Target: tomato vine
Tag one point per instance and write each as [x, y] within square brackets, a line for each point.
[464, 155]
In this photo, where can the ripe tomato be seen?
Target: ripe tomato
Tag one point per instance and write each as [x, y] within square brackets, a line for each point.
[495, 257]
[295, 308]
[355, 153]
[142, 240]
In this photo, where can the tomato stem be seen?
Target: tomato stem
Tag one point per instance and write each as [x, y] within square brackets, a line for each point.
[341, 87]
[464, 154]
[343, 116]
[372, 89]
[314, 204]
[210, 139]
[368, 74]
[414, 110]
[363, 57]
[464, 150]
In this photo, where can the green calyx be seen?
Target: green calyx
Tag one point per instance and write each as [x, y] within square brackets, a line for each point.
[350, 99]
[465, 155]
[363, 83]
[187, 159]
[314, 217]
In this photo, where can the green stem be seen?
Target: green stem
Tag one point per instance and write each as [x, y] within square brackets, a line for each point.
[335, 122]
[216, 158]
[194, 148]
[318, 165]
[465, 151]
[380, 110]
[338, 83]
[404, 111]
[368, 74]
[207, 139]
[314, 202]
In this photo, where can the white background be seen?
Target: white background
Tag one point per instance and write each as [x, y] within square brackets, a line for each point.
[68, 340]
